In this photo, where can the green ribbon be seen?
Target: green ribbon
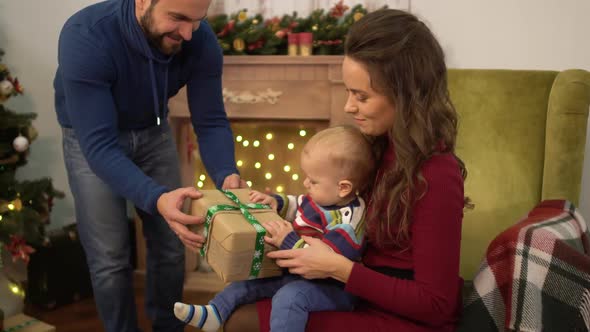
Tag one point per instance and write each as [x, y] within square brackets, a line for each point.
[260, 231]
[21, 326]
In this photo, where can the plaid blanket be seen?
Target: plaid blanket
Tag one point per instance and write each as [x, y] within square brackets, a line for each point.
[535, 275]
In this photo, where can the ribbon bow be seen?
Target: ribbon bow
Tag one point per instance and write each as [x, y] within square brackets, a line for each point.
[243, 208]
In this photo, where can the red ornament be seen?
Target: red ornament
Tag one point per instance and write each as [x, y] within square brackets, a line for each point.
[281, 33]
[16, 85]
[229, 27]
[338, 9]
[273, 23]
[19, 249]
[256, 45]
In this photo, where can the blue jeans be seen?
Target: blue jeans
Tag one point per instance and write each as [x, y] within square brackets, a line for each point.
[293, 298]
[102, 220]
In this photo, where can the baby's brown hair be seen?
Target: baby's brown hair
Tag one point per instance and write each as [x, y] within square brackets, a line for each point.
[348, 150]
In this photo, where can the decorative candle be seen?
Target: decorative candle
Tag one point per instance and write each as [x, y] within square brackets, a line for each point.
[293, 43]
[305, 43]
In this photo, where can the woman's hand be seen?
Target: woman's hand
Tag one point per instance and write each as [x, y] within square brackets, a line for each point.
[317, 261]
[278, 230]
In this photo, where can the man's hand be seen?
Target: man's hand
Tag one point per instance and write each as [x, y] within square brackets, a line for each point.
[278, 230]
[233, 181]
[258, 197]
[170, 205]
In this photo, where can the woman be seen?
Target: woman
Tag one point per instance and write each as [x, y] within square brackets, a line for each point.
[395, 75]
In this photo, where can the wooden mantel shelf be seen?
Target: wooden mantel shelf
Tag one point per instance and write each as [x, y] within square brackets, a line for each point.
[278, 88]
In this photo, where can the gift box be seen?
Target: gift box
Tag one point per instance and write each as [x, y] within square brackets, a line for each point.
[24, 323]
[235, 247]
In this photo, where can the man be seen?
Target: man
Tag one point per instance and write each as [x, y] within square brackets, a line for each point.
[119, 62]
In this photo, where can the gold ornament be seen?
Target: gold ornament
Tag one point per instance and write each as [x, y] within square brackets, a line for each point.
[32, 133]
[254, 21]
[314, 27]
[242, 16]
[357, 16]
[224, 46]
[17, 204]
[239, 44]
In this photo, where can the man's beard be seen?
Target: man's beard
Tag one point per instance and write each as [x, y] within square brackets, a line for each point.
[154, 38]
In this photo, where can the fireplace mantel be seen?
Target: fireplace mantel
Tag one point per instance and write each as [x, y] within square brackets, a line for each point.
[307, 88]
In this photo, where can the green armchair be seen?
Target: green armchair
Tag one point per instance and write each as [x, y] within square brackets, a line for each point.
[522, 136]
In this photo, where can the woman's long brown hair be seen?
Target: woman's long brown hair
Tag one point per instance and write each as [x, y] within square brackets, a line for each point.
[405, 63]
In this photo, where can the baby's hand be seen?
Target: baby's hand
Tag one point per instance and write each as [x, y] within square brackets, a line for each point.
[258, 197]
[278, 230]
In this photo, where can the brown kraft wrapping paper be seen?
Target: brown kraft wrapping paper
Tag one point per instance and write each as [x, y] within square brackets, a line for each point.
[231, 239]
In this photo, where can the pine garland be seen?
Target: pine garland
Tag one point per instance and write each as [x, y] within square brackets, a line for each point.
[241, 34]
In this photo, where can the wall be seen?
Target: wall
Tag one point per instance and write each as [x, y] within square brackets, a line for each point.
[523, 34]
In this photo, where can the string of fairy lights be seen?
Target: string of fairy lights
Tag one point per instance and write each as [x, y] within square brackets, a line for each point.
[265, 164]
[14, 205]
[16, 289]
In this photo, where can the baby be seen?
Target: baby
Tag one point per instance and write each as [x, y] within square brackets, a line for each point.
[338, 164]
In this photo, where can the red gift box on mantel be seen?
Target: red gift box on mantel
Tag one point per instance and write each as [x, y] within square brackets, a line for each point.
[305, 43]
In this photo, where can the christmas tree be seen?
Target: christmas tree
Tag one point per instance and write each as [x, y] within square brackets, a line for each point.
[24, 205]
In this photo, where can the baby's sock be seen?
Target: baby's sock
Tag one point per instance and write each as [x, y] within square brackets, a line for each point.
[204, 317]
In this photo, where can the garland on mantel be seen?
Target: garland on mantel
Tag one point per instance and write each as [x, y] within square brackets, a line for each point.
[243, 34]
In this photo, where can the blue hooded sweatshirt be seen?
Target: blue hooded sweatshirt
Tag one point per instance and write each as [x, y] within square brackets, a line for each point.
[110, 79]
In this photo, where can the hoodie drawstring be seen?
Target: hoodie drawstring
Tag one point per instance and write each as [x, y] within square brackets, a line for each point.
[138, 41]
[157, 111]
